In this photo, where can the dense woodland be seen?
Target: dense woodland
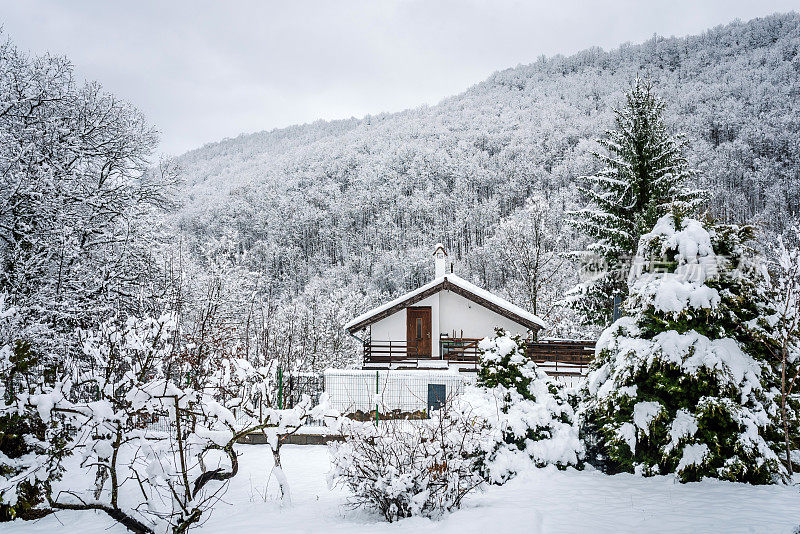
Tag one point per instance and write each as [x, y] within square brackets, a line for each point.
[356, 205]
[273, 240]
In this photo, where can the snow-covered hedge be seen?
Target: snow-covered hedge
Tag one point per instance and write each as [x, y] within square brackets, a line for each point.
[528, 416]
[681, 384]
[410, 468]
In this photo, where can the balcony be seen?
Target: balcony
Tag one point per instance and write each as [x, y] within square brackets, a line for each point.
[562, 357]
[461, 352]
[556, 357]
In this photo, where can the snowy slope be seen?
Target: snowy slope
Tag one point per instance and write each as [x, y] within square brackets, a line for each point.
[540, 501]
[373, 195]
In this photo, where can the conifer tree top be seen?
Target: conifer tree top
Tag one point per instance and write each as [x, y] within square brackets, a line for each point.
[643, 175]
[688, 256]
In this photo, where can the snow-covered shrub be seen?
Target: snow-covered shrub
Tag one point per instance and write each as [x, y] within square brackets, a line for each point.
[409, 468]
[96, 418]
[528, 415]
[681, 384]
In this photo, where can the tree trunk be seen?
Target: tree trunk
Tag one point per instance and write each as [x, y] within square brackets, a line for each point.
[783, 412]
[99, 481]
[280, 476]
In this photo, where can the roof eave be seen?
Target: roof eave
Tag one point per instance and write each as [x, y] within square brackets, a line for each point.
[445, 284]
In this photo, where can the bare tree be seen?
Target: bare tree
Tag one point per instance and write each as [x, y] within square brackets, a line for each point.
[79, 196]
[786, 282]
[528, 248]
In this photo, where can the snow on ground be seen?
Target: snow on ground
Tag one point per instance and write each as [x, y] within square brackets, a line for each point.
[540, 501]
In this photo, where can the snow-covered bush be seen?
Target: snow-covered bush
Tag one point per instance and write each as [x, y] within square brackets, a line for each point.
[99, 442]
[681, 384]
[20, 436]
[528, 416]
[410, 468]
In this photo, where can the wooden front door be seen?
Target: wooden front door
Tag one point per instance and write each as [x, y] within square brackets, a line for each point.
[418, 321]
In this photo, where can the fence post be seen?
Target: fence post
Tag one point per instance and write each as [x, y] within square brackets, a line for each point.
[280, 388]
[377, 385]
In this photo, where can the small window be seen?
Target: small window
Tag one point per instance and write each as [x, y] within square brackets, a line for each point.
[419, 328]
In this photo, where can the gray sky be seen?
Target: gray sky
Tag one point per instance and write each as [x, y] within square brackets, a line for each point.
[202, 71]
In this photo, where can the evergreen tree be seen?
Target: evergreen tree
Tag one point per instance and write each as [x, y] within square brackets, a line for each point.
[682, 384]
[20, 435]
[529, 416]
[643, 174]
[505, 364]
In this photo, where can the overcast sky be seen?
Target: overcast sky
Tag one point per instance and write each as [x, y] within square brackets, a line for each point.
[202, 71]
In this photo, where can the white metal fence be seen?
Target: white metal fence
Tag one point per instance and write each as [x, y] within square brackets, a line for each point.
[351, 391]
[407, 391]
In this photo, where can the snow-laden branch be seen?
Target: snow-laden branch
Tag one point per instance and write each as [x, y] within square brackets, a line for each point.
[98, 419]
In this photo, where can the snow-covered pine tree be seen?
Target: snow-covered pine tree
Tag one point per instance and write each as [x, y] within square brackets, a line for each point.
[644, 173]
[505, 364]
[528, 414]
[682, 383]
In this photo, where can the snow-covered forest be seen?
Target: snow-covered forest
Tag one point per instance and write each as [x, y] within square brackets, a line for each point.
[274, 240]
[351, 209]
[152, 309]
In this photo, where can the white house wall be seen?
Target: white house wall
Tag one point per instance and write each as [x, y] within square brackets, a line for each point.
[394, 327]
[459, 313]
[450, 313]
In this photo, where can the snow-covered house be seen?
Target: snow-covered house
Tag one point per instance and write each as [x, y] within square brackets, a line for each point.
[417, 345]
[438, 325]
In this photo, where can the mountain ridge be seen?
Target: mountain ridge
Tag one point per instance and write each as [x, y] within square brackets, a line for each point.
[371, 195]
[592, 50]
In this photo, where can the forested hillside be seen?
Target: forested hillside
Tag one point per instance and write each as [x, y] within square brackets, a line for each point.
[356, 205]
[153, 314]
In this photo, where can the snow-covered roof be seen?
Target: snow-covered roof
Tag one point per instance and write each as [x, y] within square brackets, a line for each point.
[391, 304]
[448, 282]
[503, 303]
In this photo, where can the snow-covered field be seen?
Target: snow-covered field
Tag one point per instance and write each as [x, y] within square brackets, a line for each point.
[543, 500]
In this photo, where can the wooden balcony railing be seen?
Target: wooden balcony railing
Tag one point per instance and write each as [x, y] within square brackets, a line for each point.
[559, 357]
[562, 357]
[459, 349]
[390, 351]
[456, 350]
